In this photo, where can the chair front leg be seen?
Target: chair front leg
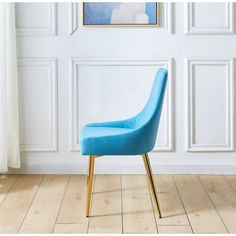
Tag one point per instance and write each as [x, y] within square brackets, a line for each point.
[151, 181]
[90, 183]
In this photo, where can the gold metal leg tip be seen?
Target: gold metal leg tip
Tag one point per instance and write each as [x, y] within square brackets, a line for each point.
[87, 213]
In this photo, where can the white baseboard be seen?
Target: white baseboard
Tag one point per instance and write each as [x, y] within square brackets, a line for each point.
[81, 168]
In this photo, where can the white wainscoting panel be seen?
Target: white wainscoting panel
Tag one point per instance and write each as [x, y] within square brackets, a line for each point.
[106, 73]
[36, 18]
[210, 18]
[38, 104]
[122, 81]
[210, 108]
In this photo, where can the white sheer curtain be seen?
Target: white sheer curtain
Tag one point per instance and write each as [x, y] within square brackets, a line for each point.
[9, 127]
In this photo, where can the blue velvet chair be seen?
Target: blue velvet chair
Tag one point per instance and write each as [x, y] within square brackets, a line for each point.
[134, 136]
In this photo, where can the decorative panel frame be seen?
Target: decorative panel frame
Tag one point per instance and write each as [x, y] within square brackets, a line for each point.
[229, 142]
[77, 62]
[51, 63]
[228, 29]
[73, 17]
[51, 29]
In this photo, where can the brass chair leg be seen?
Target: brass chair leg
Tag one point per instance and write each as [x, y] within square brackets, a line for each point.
[89, 169]
[90, 183]
[151, 181]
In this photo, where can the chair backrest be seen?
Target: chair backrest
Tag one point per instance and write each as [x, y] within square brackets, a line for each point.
[149, 117]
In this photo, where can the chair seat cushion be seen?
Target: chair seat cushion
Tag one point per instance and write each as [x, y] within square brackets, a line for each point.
[95, 140]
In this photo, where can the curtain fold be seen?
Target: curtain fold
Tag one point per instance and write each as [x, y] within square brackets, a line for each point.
[9, 117]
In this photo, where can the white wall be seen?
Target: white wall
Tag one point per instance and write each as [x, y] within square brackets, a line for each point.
[70, 74]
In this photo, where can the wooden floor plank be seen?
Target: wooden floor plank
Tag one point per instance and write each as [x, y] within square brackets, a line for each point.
[224, 199]
[17, 202]
[174, 229]
[172, 210]
[6, 182]
[106, 205]
[74, 203]
[231, 179]
[43, 212]
[138, 216]
[57, 204]
[70, 229]
[201, 212]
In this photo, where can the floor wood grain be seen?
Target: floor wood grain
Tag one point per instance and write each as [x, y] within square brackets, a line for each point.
[172, 209]
[138, 214]
[223, 197]
[42, 215]
[70, 229]
[174, 229]
[16, 204]
[200, 210]
[106, 215]
[6, 183]
[74, 202]
[120, 204]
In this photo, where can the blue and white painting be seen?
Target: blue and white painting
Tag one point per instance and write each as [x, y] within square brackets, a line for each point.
[120, 13]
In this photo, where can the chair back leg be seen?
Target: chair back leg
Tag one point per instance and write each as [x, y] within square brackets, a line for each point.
[90, 184]
[151, 182]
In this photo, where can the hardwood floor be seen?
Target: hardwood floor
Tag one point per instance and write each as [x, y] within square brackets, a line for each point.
[120, 204]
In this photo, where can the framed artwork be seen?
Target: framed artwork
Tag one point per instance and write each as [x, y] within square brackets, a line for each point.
[121, 13]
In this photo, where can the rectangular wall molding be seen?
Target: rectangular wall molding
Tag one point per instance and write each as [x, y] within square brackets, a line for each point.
[76, 63]
[226, 28]
[216, 125]
[73, 17]
[169, 16]
[50, 29]
[50, 90]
